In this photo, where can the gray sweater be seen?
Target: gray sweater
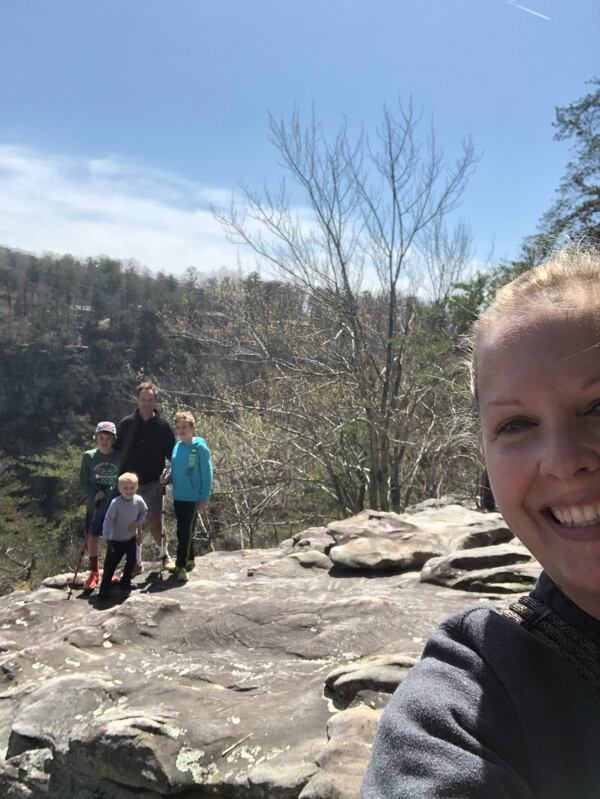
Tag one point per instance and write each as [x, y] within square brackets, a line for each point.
[491, 712]
[120, 515]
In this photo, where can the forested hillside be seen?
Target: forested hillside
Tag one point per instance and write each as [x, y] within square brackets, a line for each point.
[262, 364]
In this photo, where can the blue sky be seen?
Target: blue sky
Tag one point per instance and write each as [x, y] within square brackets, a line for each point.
[122, 120]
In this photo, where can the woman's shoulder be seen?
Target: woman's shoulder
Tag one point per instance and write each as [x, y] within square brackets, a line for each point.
[476, 646]
[471, 620]
[476, 642]
[467, 623]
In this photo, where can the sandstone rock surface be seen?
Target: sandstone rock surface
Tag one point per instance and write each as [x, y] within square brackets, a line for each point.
[262, 677]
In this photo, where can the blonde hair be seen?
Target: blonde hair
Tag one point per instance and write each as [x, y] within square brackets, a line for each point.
[128, 477]
[568, 282]
[185, 416]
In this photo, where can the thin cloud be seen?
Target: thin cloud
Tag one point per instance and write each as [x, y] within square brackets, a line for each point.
[110, 207]
[118, 208]
[529, 10]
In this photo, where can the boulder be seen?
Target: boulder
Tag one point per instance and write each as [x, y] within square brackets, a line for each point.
[503, 568]
[26, 776]
[312, 559]
[456, 527]
[369, 524]
[383, 553]
[316, 538]
[343, 760]
[441, 502]
[367, 677]
[388, 541]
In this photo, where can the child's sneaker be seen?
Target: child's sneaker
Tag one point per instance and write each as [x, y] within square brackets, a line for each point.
[190, 565]
[169, 564]
[181, 575]
[137, 569]
[92, 581]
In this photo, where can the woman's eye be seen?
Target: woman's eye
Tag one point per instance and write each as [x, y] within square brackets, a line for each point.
[594, 408]
[517, 425]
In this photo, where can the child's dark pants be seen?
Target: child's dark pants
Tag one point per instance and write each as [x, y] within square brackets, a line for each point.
[114, 552]
[185, 513]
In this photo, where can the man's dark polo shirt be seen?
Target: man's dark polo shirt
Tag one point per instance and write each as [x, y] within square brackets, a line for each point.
[144, 446]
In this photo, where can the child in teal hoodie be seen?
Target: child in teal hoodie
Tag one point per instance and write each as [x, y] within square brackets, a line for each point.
[191, 476]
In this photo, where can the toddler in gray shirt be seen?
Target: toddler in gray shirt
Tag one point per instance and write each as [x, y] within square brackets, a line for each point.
[122, 529]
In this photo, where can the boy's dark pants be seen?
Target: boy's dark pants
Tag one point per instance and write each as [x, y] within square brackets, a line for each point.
[185, 513]
[114, 552]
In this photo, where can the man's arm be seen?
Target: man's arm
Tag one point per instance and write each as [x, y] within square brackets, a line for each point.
[118, 442]
[142, 510]
[169, 441]
[125, 434]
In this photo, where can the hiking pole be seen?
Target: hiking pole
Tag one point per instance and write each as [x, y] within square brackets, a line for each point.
[83, 549]
[81, 554]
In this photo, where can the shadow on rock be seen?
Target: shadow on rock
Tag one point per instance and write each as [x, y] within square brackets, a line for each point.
[339, 572]
[155, 583]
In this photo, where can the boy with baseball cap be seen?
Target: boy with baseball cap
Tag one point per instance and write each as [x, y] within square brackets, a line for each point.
[98, 481]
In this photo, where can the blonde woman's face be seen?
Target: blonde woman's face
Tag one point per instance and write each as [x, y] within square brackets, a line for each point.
[539, 394]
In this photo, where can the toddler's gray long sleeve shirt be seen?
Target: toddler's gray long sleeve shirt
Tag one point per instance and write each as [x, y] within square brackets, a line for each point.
[120, 515]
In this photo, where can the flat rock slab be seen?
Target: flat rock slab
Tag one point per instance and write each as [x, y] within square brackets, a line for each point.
[263, 676]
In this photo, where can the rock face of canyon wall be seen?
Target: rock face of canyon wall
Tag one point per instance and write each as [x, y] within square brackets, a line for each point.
[262, 677]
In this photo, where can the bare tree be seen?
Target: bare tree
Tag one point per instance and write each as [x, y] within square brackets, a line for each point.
[356, 380]
[366, 212]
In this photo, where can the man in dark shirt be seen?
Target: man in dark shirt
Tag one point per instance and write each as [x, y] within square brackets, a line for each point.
[145, 440]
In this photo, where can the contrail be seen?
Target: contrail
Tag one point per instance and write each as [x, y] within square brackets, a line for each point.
[529, 10]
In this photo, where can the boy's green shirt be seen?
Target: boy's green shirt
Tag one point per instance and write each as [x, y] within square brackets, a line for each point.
[98, 472]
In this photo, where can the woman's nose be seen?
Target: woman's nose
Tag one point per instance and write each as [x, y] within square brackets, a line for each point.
[568, 451]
